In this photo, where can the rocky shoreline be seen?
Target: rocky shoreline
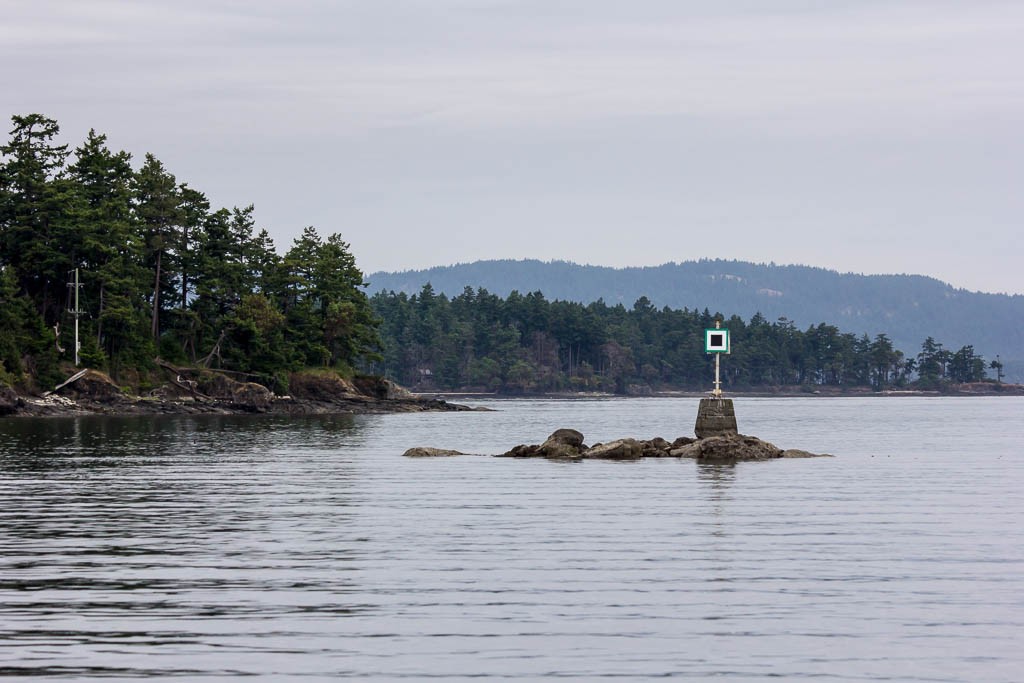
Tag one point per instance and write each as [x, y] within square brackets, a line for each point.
[211, 393]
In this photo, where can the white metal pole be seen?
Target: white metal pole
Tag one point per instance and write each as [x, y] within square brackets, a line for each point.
[77, 345]
[718, 383]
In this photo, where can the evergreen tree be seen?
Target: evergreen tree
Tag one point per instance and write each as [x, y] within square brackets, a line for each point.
[158, 211]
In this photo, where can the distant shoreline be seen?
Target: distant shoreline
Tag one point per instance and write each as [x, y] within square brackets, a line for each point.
[131, 406]
[959, 390]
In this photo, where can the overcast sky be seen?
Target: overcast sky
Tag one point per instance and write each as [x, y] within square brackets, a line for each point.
[859, 135]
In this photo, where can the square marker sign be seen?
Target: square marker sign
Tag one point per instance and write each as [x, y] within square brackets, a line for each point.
[716, 341]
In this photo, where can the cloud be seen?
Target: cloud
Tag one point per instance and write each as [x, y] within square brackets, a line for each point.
[798, 126]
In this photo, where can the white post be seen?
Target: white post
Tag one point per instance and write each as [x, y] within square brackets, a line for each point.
[717, 393]
[77, 344]
[718, 383]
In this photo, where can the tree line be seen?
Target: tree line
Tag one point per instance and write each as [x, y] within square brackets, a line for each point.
[525, 343]
[165, 275]
[162, 273]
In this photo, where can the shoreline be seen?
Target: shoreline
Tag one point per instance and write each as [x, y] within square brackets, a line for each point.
[15, 405]
[954, 391]
[61, 406]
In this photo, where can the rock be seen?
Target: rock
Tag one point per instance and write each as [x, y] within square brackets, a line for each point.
[569, 437]
[374, 387]
[660, 444]
[427, 452]
[620, 449]
[248, 396]
[655, 448]
[567, 444]
[320, 386]
[797, 453]
[689, 450]
[736, 447]
[559, 450]
[9, 400]
[398, 391]
[252, 396]
[522, 451]
[93, 386]
[563, 443]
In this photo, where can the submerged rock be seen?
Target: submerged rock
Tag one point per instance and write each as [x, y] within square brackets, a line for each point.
[797, 453]
[427, 452]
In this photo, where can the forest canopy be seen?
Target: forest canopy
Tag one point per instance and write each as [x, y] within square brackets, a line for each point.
[526, 344]
[161, 272]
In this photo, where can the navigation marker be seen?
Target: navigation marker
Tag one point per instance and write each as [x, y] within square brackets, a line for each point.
[716, 341]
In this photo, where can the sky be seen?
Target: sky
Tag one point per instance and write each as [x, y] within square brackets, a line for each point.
[868, 136]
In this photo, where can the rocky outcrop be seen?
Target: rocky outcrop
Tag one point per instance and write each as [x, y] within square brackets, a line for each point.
[91, 385]
[380, 388]
[729, 447]
[319, 386]
[563, 443]
[9, 400]
[427, 452]
[568, 444]
[248, 396]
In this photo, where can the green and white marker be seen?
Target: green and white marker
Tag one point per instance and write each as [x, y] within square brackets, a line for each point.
[716, 341]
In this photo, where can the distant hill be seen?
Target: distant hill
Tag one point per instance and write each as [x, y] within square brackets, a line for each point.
[908, 308]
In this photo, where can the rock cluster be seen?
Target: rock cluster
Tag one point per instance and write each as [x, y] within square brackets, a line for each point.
[567, 444]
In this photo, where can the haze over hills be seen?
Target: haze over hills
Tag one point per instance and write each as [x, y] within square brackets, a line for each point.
[908, 308]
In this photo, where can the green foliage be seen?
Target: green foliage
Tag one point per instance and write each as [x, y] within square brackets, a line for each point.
[525, 344]
[161, 273]
[905, 307]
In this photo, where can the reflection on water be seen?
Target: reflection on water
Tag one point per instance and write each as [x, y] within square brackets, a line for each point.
[123, 535]
[305, 548]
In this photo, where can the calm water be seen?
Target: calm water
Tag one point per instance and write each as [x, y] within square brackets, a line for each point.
[309, 549]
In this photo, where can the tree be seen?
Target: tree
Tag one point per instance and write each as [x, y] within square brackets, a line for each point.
[931, 363]
[157, 209]
[966, 366]
[34, 212]
[998, 367]
[109, 248]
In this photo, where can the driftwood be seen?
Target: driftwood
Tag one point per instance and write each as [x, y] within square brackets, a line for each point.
[74, 378]
[186, 370]
[186, 384]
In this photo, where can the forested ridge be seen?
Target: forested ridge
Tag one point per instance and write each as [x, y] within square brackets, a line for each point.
[525, 343]
[162, 273]
[907, 308]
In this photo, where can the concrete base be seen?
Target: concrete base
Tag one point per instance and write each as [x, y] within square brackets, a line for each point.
[715, 417]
